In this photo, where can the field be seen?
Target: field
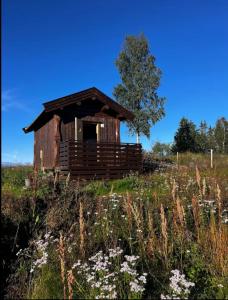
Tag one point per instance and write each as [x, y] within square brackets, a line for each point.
[159, 235]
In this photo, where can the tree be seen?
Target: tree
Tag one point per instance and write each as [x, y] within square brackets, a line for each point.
[221, 135]
[161, 149]
[140, 80]
[202, 137]
[211, 138]
[185, 138]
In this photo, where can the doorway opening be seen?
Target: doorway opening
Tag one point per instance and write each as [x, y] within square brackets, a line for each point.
[89, 132]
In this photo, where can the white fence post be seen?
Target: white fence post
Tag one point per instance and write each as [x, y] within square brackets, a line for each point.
[211, 158]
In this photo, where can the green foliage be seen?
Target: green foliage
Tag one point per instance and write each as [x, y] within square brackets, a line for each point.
[121, 213]
[15, 175]
[128, 183]
[221, 135]
[13, 179]
[161, 149]
[140, 80]
[185, 137]
[48, 284]
[189, 138]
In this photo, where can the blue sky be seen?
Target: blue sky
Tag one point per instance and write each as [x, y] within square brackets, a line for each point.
[51, 48]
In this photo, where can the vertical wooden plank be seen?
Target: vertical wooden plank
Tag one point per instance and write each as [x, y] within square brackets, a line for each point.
[56, 142]
[117, 129]
[80, 129]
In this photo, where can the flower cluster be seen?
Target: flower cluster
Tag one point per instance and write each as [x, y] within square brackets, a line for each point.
[104, 273]
[137, 282]
[180, 287]
[41, 250]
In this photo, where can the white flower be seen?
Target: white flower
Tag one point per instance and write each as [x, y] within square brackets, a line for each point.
[78, 263]
[126, 269]
[131, 258]
[135, 287]
[179, 285]
[115, 252]
[142, 278]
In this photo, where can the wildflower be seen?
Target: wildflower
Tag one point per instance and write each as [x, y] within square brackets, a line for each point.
[142, 278]
[125, 268]
[78, 263]
[180, 287]
[115, 252]
[131, 258]
[135, 287]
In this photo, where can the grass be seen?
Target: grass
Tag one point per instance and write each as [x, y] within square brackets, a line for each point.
[168, 220]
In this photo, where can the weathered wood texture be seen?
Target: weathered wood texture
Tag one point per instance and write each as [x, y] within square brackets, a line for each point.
[99, 160]
[46, 150]
[110, 132]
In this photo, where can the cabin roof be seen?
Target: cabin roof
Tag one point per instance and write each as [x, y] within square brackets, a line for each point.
[92, 93]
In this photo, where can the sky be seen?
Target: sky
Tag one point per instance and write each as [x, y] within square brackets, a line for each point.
[52, 48]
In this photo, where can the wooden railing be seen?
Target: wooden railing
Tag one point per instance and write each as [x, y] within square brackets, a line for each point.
[99, 160]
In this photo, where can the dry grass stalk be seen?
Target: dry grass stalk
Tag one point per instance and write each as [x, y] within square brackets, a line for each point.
[219, 245]
[174, 188]
[111, 191]
[128, 209]
[198, 178]
[204, 187]
[99, 206]
[70, 282]
[136, 215]
[82, 230]
[164, 232]
[219, 205]
[222, 239]
[180, 212]
[196, 215]
[61, 250]
[175, 221]
[138, 220]
[213, 231]
[67, 180]
[150, 240]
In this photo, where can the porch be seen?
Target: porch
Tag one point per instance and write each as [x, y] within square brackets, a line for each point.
[99, 160]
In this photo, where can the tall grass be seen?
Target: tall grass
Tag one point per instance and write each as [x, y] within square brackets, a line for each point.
[125, 238]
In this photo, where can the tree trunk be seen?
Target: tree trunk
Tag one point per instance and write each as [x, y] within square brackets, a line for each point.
[137, 138]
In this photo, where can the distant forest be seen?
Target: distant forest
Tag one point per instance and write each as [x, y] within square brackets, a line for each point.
[190, 138]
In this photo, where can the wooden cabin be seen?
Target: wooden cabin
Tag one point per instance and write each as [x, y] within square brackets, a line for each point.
[80, 134]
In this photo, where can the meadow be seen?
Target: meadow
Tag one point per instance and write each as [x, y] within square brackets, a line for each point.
[161, 235]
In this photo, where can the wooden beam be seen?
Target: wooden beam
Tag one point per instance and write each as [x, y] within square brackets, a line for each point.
[105, 107]
[119, 116]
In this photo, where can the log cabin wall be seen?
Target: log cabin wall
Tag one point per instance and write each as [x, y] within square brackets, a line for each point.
[108, 132]
[44, 145]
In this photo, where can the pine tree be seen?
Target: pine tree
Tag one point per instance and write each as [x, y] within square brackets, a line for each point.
[185, 138]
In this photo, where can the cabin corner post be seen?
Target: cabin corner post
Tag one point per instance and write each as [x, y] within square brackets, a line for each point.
[35, 167]
[56, 141]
